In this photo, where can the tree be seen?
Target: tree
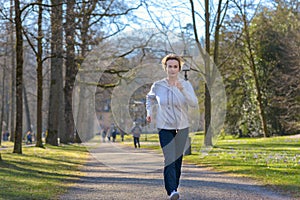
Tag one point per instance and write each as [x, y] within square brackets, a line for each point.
[27, 111]
[13, 80]
[39, 54]
[241, 109]
[93, 15]
[210, 67]
[2, 103]
[276, 33]
[19, 80]
[56, 118]
[71, 71]
[251, 55]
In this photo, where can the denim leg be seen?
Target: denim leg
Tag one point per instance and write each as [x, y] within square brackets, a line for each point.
[138, 142]
[172, 145]
[180, 141]
[166, 138]
[134, 141]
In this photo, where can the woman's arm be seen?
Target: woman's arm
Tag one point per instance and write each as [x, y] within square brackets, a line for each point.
[150, 100]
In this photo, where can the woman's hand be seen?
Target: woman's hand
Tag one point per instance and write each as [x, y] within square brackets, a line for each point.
[179, 85]
[148, 119]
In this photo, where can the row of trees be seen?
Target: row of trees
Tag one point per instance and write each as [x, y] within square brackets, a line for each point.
[59, 34]
[264, 71]
[256, 49]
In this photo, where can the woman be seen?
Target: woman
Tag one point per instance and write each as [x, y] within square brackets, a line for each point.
[173, 95]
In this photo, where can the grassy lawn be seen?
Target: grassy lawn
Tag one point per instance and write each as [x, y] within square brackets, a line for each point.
[39, 173]
[46, 173]
[275, 161]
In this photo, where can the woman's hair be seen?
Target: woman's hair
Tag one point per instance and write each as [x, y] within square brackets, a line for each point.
[171, 57]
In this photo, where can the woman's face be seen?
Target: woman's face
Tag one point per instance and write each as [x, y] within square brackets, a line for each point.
[172, 68]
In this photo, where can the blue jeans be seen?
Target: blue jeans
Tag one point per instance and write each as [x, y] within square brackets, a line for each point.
[172, 144]
[136, 142]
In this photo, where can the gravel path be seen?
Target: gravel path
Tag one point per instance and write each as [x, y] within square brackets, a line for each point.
[115, 172]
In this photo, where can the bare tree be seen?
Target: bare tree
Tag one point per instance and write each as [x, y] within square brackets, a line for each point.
[27, 111]
[2, 103]
[38, 52]
[71, 71]
[210, 67]
[56, 118]
[13, 80]
[19, 80]
[39, 115]
[89, 15]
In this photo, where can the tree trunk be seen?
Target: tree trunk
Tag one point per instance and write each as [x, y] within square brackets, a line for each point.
[217, 35]
[19, 80]
[255, 76]
[2, 104]
[13, 80]
[208, 132]
[71, 70]
[27, 110]
[82, 121]
[39, 114]
[55, 119]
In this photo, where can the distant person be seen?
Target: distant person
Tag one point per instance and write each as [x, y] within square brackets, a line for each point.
[29, 137]
[103, 134]
[5, 136]
[110, 133]
[136, 133]
[173, 96]
[114, 134]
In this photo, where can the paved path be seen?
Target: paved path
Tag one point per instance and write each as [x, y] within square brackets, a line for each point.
[115, 172]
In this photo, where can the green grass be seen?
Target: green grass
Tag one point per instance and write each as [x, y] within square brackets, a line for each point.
[39, 173]
[274, 161]
[46, 173]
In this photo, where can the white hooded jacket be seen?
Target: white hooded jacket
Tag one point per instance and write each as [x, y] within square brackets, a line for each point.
[172, 111]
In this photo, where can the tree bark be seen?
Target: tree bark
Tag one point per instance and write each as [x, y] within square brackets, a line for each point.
[39, 114]
[71, 70]
[27, 110]
[13, 80]
[55, 118]
[19, 80]
[207, 99]
[2, 104]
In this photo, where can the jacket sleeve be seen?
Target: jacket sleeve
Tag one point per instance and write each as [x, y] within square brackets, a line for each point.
[150, 100]
[189, 93]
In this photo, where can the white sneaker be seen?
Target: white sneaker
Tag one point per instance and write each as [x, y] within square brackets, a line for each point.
[174, 195]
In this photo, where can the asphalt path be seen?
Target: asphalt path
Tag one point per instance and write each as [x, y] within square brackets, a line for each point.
[117, 172]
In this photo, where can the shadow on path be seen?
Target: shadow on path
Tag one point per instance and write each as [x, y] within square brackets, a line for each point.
[115, 172]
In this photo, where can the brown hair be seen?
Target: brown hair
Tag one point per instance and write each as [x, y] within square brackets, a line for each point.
[171, 57]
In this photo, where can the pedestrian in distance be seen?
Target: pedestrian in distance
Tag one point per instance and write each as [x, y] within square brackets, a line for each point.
[173, 95]
[29, 137]
[114, 134]
[136, 133]
[103, 134]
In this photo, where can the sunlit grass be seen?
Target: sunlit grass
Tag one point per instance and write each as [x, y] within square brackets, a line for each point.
[40, 173]
[274, 161]
[45, 173]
